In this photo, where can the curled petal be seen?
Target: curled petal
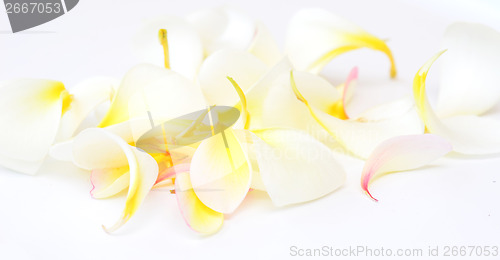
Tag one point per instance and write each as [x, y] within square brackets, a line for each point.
[221, 172]
[31, 111]
[468, 134]
[243, 67]
[197, 216]
[108, 155]
[185, 46]
[316, 36]
[294, 166]
[469, 71]
[403, 153]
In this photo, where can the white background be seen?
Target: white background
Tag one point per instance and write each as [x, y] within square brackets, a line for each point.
[454, 201]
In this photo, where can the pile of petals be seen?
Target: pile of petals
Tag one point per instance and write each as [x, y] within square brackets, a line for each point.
[217, 110]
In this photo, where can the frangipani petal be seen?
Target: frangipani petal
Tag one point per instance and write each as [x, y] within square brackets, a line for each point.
[403, 153]
[316, 36]
[184, 45]
[105, 153]
[361, 137]
[228, 28]
[87, 96]
[467, 134]
[199, 217]
[164, 93]
[243, 67]
[221, 172]
[294, 166]
[469, 71]
[30, 117]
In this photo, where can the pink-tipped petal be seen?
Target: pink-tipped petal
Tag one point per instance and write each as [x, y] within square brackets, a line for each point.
[403, 153]
[346, 89]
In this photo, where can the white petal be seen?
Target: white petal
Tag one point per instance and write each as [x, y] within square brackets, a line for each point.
[97, 149]
[315, 36]
[469, 70]
[403, 153]
[185, 47]
[243, 67]
[221, 172]
[295, 167]
[30, 114]
[468, 134]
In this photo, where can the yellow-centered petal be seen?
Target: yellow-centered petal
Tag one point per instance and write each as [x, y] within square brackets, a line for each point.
[31, 111]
